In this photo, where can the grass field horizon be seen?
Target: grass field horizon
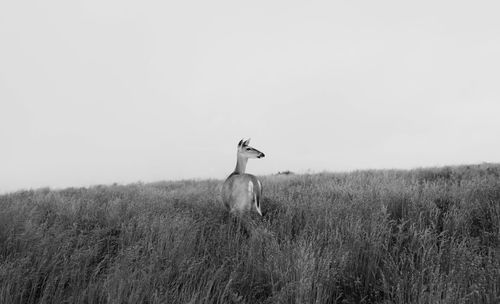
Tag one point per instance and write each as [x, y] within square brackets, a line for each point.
[427, 235]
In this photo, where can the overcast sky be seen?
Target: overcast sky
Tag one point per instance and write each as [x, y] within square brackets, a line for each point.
[98, 91]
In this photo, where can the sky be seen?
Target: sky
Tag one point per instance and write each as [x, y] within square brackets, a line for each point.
[104, 91]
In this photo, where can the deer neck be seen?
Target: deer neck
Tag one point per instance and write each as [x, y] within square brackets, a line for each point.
[241, 164]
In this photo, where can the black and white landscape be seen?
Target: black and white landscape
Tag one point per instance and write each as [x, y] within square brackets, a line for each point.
[127, 173]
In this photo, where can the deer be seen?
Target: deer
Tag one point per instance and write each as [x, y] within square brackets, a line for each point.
[241, 192]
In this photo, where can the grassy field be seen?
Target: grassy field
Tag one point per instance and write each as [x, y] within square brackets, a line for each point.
[388, 236]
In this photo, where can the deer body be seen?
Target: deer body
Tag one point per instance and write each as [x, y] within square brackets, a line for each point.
[241, 192]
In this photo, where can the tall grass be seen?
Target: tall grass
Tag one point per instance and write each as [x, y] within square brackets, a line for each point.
[420, 236]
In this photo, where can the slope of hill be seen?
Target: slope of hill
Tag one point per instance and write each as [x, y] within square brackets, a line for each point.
[387, 236]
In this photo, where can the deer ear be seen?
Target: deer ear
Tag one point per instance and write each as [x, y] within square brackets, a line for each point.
[247, 142]
[240, 143]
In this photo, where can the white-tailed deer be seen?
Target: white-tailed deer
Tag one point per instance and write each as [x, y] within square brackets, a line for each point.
[241, 191]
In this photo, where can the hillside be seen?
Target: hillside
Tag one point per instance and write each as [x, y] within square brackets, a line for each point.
[385, 236]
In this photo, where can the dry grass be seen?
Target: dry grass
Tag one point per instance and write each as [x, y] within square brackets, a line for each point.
[421, 236]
